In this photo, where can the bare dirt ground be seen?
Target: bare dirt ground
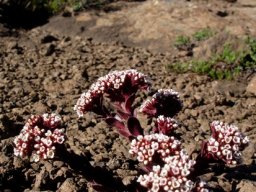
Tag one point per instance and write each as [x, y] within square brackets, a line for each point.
[155, 24]
[45, 69]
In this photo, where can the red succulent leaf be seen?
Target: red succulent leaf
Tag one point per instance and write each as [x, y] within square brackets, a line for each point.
[213, 131]
[203, 148]
[122, 114]
[99, 187]
[151, 112]
[128, 103]
[134, 126]
[114, 122]
[205, 153]
[119, 125]
[165, 125]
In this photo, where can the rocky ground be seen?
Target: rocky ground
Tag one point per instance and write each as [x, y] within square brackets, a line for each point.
[45, 69]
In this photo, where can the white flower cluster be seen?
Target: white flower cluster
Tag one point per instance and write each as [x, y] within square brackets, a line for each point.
[145, 147]
[226, 143]
[172, 175]
[165, 93]
[201, 186]
[165, 124]
[39, 137]
[51, 120]
[112, 84]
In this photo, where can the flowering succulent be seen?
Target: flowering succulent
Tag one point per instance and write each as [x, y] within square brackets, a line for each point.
[171, 165]
[153, 147]
[225, 143]
[166, 164]
[165, 125]
[119, 86]
[39, 137]
[163, 179]
[165, 102]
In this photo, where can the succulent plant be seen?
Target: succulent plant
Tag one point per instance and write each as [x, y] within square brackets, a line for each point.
[39, 137]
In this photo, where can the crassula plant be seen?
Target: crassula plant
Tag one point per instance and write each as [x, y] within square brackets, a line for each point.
[225, 143]
[120, 88]
[166, 164]
[39, 137]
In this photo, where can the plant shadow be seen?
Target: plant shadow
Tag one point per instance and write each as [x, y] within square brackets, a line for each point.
[100, 179]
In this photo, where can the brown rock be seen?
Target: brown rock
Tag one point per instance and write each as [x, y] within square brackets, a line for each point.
[39, 179]
[246, 186]
[68, 186]
[251, 88]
